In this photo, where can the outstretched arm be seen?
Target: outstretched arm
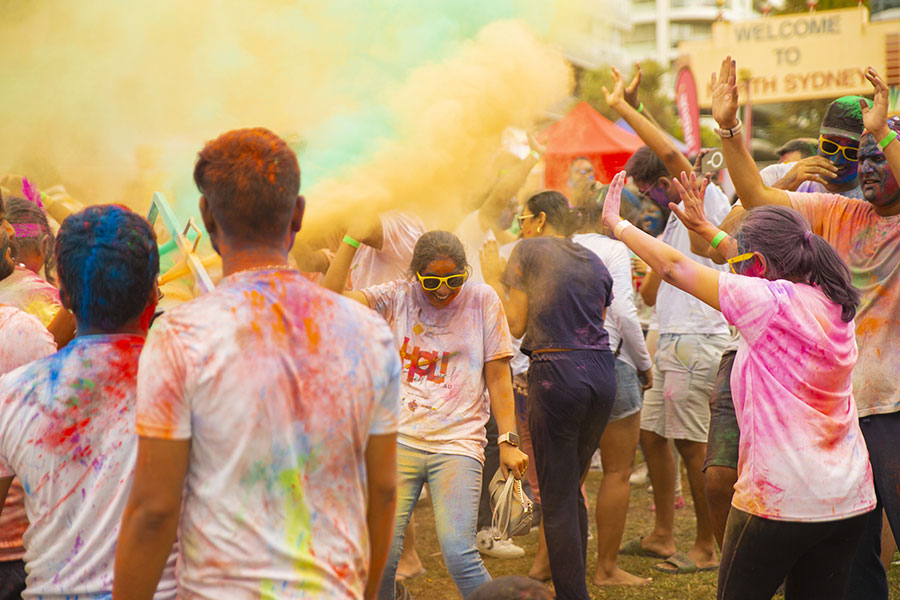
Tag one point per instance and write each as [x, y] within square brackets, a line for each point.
[747, 182]
[499, 196]
[673, 266]
[650, 133]
[875, 121]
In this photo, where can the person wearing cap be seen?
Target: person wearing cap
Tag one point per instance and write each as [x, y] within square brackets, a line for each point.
[833, 169]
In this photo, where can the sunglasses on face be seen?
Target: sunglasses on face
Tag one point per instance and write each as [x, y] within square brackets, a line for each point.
[521, 219]
[433, 282]
[737, 259]
[830, 148]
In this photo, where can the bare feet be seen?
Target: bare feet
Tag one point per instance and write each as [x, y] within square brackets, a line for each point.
[658, 545]
[541, 571]
[619, 577]
[704, 559]
[409, 566]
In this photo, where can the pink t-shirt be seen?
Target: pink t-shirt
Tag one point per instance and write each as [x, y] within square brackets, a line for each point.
[802, 454]
[870, 244]
[278, 384]
[67, 432]
[372, 267]
[31, 293]
[22, 340]
[444, 404]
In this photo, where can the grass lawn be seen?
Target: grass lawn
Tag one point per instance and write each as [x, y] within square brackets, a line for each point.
[436, 584]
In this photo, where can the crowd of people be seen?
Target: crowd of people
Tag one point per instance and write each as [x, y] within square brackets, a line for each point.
[271, 438]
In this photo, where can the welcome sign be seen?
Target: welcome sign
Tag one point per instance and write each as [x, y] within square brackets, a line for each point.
[796, 57]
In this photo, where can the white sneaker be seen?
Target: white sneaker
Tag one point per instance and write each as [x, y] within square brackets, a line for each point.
[488, 546]
[640, 476]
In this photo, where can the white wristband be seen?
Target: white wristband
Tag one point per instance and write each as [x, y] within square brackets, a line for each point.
[620, 227]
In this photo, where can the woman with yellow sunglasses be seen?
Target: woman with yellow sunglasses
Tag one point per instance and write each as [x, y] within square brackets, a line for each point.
[804, 486]
[454, 345]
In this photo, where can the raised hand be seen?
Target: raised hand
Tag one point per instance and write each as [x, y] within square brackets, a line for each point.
[631, 91]
[616, 97]
[613, 200]
[691, 212]
[491, 265]
[875, 118]
[725, 94]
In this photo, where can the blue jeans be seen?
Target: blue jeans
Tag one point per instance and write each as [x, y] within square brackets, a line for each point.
[455, 485]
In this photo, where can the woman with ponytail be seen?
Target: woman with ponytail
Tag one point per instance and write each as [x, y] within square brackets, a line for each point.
[804, 483]
[555, 292]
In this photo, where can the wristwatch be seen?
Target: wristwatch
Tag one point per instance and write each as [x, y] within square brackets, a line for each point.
[509, 438]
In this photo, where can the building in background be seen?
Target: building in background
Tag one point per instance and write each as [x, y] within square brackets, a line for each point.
[658, 26]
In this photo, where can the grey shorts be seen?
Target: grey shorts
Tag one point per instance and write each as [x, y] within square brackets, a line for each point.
[684, 372]
[629, 395]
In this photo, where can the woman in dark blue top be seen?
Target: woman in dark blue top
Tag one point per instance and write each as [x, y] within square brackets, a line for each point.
[556, 292]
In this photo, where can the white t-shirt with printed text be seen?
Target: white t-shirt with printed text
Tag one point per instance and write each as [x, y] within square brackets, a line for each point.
[444, 404]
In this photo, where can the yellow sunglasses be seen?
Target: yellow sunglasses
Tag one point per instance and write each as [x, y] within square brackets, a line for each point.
[433, 282]
[828, 147]
[737, 259]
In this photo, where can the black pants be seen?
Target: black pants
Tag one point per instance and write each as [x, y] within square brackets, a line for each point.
[814, 557]
[868, 579]
[12, 579]
[570, 397]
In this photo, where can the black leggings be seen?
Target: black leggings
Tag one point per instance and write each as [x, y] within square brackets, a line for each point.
[758, 554]
[570, 397]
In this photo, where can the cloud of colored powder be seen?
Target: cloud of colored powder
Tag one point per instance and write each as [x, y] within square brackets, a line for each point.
[388, 102]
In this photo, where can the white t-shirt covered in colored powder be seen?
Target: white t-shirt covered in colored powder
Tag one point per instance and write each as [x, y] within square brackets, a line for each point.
[278, 384]
[802, 455]
[22, 340]
[444, 404]
[372, 267]
[31, 293]
[67, 432]
[870, 244]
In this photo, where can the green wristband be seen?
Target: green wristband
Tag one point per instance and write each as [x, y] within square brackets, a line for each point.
[888, 139]
[349, 240]
[640, 107]
[718, 239]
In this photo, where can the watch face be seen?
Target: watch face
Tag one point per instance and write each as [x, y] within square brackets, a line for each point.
[511, 438]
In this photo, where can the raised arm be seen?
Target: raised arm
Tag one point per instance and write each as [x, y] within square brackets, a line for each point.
[336, 277]
[651, 134]
[875, 122]
[515, 302]
[510, 183]
[673, 267]
[716, 242]
[747, 182]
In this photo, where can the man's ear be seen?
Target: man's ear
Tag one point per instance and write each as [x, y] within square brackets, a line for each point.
[297, 217]
[64, 295]
[209, 222]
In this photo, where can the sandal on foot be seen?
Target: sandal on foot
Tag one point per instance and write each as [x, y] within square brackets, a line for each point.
[634, 547]
[681, 564]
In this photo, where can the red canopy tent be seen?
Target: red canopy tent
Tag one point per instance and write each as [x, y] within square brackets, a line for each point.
[585, 132]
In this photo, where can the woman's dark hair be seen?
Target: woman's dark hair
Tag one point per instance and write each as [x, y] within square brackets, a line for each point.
[6, 266]
[435, 244]
[556, 207]
[108, 262]
[795, 253]
[33, 232]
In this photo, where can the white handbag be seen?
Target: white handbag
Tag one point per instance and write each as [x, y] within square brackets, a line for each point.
[513, 510]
